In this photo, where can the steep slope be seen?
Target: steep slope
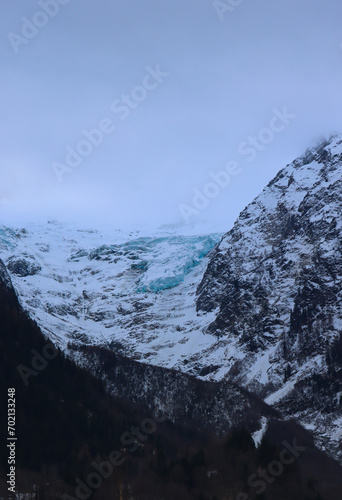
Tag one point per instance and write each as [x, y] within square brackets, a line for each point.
[64, 418]
[275, 281]
[267, 311]
[132, 292]
[66, 423]
[207, 406]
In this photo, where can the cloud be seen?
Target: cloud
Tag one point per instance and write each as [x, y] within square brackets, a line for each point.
[225, 77]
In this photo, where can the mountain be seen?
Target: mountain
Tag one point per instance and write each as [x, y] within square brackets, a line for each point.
[70, 431]
[275, 284]
[183, 398]
[258, 307]
[206, 406]
[63, 417]
[129, 291]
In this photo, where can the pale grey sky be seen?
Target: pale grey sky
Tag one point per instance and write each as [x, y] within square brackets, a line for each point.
[223, 76]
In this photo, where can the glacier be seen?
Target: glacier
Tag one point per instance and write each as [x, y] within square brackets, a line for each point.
[129, 291]
[259, 306]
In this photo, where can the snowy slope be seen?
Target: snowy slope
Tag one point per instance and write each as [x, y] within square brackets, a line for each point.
[133, 292]
[261, 306]
[276, 281]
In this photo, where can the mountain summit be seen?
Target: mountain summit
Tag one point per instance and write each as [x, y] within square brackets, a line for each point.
[259, 307]
[275, 284]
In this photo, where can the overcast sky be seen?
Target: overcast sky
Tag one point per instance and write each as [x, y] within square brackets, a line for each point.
[178, 86]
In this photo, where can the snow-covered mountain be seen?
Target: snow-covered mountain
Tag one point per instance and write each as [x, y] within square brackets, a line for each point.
[276, 281]
[260, 306]
[132, 292]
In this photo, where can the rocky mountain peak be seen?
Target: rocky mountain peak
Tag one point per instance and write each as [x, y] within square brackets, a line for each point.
[275, 284]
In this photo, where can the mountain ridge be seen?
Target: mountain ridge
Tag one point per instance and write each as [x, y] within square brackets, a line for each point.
[276, 278]
[260, 306]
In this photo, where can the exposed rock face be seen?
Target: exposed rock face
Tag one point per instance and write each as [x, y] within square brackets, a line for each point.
[22, 267]
[4, 276]
[206, 406]
[276, 283]
[132, 292]
[267, 314]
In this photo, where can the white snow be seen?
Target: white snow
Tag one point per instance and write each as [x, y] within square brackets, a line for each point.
[258, 435]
